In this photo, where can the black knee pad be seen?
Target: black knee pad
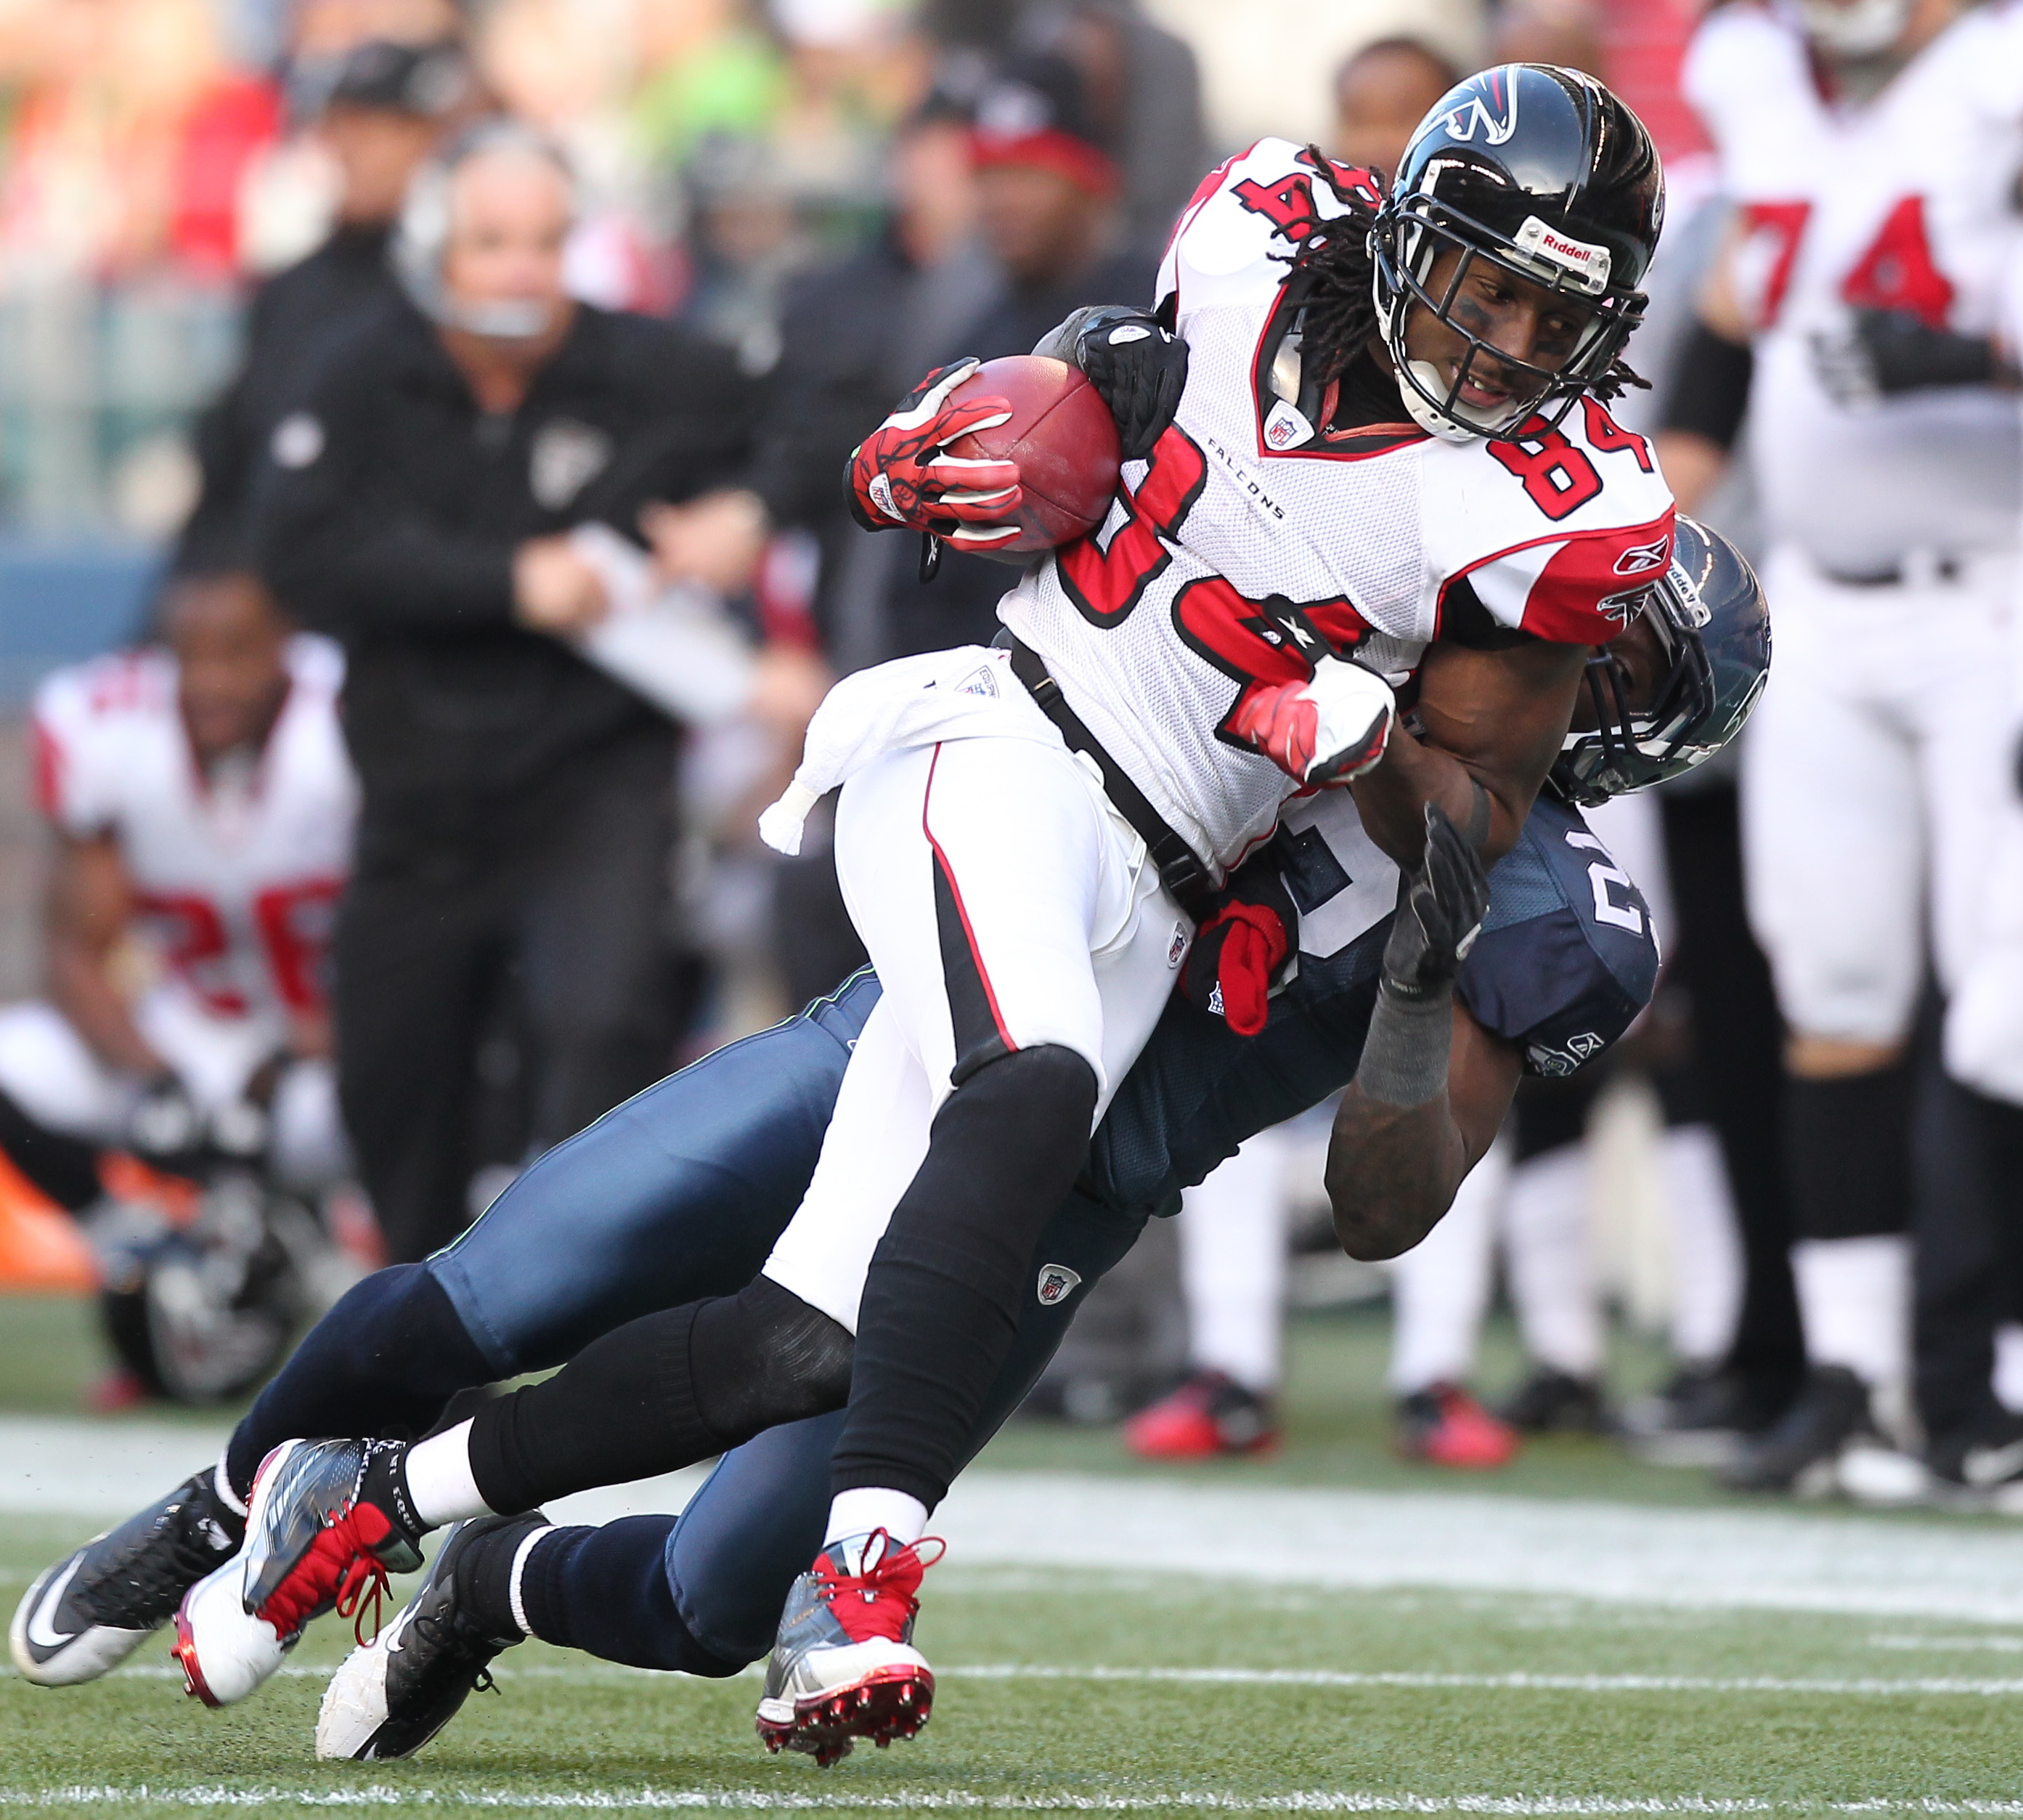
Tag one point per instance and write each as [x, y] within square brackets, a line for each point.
[763, 1356]
[1847, 1143]
[661, 1393]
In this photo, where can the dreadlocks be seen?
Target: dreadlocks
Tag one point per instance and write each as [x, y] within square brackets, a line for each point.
[1335, 276]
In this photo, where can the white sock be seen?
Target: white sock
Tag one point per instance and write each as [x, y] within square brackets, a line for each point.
[2009, 1367]
[1550, 1258]
[1854, 1299]
[1439, 1289]
[857, 1513]
[439, 1481]
[1233, 1265]
[519, 1568]
[1706, 1248]
[221, 1480]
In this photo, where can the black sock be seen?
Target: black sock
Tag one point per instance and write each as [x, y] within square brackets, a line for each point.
[1847, 1143]
[661, 1393]
[941, 1303]
[605, 1591]
[484, 1577]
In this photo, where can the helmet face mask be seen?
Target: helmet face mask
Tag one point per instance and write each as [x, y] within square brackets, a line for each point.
[1543, 176]
[1710, 627]
[1409, 283]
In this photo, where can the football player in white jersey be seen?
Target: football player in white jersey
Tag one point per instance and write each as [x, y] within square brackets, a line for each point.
[200, 800]
[1870, 148]
[1348, 501]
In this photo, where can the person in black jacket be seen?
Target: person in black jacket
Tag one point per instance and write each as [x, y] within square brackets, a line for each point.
[517, 800]
[386, 108]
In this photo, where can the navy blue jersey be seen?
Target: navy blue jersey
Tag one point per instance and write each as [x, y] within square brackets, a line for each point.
[1566, 960]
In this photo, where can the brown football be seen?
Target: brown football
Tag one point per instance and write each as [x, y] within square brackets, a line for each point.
[1062, 436]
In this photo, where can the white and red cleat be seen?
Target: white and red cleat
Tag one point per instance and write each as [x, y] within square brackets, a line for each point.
[843, 1665]
[1209, 1417]
[313, 1545]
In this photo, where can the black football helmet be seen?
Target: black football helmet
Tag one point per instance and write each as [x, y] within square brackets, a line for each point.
[1545, 173]
[1713, 624]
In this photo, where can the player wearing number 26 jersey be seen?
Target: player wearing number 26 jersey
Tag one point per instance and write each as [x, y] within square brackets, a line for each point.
[1254, 541]
[233, 872]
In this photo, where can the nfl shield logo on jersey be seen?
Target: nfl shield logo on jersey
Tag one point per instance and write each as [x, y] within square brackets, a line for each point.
[1057, 1283]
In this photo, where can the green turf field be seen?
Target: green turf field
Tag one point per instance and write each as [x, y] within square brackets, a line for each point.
[1070, 1690]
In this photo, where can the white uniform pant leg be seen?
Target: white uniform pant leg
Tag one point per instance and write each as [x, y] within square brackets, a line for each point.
[50, 1072]
[876, 1138]
[1984, 1033]
[1439, 1289]
[1707, 1245]
[1549, 1254]
[310, 1151]
[1005, 906]
[1233, 1265]
[1833, 821]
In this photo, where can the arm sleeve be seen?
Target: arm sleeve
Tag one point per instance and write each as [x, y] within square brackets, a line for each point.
[342, 549]
[1709, 390]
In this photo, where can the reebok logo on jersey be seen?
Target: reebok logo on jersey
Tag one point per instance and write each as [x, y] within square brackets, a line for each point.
[1057, 1283]
[1641, 558]
[1581, 261]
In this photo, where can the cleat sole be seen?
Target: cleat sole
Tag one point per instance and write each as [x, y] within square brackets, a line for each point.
[893, 1704]
[184, 1652]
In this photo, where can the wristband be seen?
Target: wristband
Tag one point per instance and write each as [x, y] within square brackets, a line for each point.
[1406, 1055]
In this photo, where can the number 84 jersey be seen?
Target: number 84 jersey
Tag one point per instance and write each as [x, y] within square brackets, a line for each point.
[1255, 542]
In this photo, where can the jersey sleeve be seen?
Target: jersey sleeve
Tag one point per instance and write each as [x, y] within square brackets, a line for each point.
[1233, 239]
[77, 767]
[1559, 534]
[1568, 958]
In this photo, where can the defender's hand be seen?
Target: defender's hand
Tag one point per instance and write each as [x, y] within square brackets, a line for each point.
[1242, 947]
[1327, 729]
[1140, 371]
[1440, 908]
[900, 479]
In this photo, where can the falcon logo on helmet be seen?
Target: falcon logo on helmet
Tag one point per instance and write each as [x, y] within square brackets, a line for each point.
[1492, 110]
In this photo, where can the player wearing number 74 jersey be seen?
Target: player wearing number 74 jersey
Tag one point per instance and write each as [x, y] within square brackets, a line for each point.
[1870, 151]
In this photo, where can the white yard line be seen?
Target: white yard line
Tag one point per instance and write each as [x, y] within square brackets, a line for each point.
[1715, 1559]
[1303, 1801]
[1888, 1687]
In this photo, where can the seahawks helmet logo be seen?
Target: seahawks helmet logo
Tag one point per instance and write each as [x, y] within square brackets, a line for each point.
[1491, 110]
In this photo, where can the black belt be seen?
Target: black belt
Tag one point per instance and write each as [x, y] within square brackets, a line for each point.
[1946, 568]
[1180, 868]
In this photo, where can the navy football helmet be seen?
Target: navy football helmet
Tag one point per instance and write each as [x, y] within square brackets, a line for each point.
[1712, 625]
[1545, 174]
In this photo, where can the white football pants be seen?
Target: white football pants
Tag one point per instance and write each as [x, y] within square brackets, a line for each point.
[1233, 1265]
[1874, 779]
[1005, 904]
[48, 1070]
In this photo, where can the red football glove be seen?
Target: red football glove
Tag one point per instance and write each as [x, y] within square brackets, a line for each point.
[900, 479]
[1242, 947]
[1330, 728]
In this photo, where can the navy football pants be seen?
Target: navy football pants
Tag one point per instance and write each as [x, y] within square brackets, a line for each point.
[677, 1195]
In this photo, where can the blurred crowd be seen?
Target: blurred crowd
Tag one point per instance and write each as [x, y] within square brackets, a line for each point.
[281, 284]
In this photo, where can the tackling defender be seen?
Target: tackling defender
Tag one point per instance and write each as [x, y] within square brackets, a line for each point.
[680, 1192]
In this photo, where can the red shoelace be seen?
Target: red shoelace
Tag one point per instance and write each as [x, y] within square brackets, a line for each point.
[338, 1569]
[880, 1601]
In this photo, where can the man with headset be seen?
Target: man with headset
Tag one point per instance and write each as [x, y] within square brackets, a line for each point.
[516, 811]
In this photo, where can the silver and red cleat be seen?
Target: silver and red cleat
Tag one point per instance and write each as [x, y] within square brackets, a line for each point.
[313, 1545]
[843, 1666]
